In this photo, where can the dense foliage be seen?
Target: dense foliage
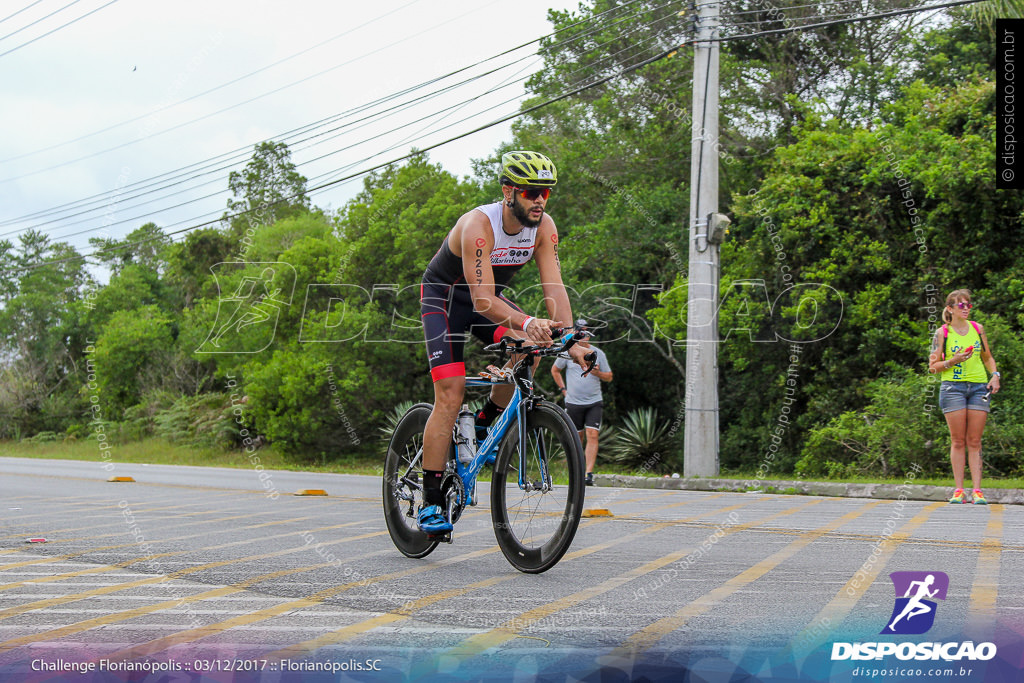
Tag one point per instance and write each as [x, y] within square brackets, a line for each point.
[858, 170]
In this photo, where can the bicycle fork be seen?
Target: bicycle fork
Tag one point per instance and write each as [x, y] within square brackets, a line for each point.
[544, 483]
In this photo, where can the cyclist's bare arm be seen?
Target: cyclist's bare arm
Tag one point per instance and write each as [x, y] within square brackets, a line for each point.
[546, 254]
[555, 297]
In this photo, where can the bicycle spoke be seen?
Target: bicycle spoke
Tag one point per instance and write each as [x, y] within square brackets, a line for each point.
[535, 523]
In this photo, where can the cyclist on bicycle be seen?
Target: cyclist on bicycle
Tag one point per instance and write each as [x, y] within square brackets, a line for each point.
[462, 291]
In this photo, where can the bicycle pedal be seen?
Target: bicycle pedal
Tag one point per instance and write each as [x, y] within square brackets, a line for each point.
[442, 538]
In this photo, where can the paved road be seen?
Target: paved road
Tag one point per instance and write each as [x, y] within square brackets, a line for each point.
[210, 569]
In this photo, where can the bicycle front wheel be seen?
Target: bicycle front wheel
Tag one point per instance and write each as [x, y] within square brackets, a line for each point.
[403, 483]
[535, 523]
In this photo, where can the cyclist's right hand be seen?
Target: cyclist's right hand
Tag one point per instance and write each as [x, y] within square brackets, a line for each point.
[539, 330]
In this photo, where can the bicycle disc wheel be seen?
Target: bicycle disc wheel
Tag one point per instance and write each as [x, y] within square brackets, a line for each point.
[403, 483]
[535, 527]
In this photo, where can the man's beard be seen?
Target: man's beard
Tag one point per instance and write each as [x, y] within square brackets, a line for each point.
[523, 215]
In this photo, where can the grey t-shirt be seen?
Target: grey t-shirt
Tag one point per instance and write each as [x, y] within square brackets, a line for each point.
[580, 390]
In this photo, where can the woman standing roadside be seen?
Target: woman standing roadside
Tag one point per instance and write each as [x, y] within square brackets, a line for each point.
[960, 351]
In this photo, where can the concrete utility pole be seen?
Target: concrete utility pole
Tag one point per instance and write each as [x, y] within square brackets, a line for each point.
[700, 441]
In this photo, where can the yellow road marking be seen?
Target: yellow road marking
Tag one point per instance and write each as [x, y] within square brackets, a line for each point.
[510, 629]
[79, 518]
[191, 635]
[196, 634]
[121, 565]
[356, 629]
[115, 617]
[844, 601]
[227, 590]
[81, 539]
[137, 560]
[985, 589]
[406, 612]
[647, 637]
[402, 614]
[104, 590]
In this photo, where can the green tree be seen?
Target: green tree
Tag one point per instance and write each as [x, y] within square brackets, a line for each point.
[622, 150]
[875, 218]
[267, 189]
[131, 356]
[132, 287]
[41, 333]
[352, 349]
[145, 247]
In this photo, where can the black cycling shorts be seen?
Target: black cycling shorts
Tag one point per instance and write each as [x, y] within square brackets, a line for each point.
[588, 416]
[447, 314]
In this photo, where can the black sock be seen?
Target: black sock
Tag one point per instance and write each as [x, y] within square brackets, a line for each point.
[487, 414]
[432, 487]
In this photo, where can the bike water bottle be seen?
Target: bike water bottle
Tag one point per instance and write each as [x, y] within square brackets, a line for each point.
[466, 444]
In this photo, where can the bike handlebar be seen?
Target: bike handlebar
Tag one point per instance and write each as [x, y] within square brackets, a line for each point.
[510, 346]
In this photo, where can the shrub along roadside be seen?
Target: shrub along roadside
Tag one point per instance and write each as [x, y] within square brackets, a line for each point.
[158, 451]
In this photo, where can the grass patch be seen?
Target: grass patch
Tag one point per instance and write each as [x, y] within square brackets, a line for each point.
[986, 482]
[159, 452]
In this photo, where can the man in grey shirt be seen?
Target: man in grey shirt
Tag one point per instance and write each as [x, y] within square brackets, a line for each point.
[583, 397]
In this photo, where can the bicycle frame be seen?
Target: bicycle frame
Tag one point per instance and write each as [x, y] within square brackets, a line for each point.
[468, 472]
[542, 427]
[517, 407]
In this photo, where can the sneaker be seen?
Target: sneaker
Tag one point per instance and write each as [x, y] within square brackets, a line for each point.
[979, 497]
[431, 521]
[590, 478]
[958, 496]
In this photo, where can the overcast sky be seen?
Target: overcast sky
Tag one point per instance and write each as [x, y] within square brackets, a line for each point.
[171, 84]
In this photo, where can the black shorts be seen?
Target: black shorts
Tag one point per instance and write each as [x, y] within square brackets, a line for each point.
[447, 314]
[588, 416]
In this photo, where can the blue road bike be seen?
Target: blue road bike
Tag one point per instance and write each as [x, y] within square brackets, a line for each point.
[537, 484]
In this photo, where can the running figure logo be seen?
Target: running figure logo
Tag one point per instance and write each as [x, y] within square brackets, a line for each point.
[247, 319]
[914, 612]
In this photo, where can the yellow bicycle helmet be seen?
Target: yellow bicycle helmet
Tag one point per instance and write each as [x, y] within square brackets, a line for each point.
[527, 169]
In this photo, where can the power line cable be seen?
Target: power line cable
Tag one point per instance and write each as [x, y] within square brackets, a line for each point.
[26, 7]
[287, 86]
[849, 20]
[778, 10]
[357, 174]
[245, 150]
[449, 109]
[237, 104]
[208, 91]
[52, 31]
[40, 19]
[118, 194]
[523, 112]
[567, 77]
